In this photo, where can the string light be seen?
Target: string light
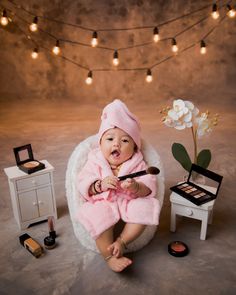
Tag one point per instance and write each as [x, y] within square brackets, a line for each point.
[4, 18]
[203, 47]
[56, 49]
[35, 53]
[94, 41]
[215, 13]
[156, 36]
[115, 58]
[34, 25]
[231, 12]
[174, 47]
[149, 76]
[89, 79]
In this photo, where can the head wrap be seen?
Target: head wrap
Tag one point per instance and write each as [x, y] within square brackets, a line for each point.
[116, 114]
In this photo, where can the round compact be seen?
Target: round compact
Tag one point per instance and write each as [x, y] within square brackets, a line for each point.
[49, 242]
[178, 249]
[31, 164]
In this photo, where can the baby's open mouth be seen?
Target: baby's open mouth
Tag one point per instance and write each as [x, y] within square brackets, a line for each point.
[115, 153]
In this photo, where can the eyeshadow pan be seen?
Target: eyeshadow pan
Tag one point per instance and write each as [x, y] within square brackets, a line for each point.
[180, 186]
[190, 190]
[199, 195]
[195, 193]
[186, 188]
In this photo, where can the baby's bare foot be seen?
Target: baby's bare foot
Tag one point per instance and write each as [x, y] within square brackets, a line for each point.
[118, 264]
[116, 248]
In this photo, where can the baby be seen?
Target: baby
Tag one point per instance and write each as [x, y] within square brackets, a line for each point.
[107, 199]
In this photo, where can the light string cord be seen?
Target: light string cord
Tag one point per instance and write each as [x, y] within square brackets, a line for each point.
[121, 48]
[18, 6]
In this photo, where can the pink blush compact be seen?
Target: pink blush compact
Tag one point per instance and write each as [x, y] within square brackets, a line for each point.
[178, 249]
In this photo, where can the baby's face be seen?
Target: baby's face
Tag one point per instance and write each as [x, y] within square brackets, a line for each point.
[117, 146]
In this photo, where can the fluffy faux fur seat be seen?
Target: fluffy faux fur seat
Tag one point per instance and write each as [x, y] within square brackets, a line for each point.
[76, 162]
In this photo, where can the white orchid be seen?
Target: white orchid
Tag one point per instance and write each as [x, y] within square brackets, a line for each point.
[184, 114]
[181, 115]
[204, 125]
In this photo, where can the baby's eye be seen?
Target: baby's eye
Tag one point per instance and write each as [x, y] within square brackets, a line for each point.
[109, 138]
[125, 140]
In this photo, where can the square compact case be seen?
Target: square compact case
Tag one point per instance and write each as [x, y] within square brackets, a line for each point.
[25, 159]
[201, 187]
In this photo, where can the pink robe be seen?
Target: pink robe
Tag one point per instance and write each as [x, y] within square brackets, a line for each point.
[104, 210]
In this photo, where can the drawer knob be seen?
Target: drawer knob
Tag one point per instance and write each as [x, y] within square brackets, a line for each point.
[189, 212]
[40, 202]
[33, 181]
[35, 203]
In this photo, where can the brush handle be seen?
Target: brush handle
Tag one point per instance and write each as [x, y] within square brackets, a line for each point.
[132, 175]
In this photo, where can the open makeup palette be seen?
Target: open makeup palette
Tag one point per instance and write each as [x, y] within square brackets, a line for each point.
[25, 159]
[201, 186]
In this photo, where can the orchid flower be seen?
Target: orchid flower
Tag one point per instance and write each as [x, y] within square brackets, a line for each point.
[183, 115]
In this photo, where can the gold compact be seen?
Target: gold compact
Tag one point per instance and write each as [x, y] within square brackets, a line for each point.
[25, 159]
[201, 187]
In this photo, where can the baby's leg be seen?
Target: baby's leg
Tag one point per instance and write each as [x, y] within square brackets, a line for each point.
[117, 248]
[131, 232]
[103, 241]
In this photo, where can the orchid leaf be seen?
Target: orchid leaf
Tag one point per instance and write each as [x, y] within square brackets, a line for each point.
[204, 158]
[181, 155]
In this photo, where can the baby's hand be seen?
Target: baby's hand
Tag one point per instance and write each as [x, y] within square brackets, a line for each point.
[130, 184]
[109, 182]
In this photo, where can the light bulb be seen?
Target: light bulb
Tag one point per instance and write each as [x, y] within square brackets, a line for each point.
[149, 76]
[89, 79]
[115, 58]
[156, 36]
[203, 47]
[56, 49]
[215, 13]
[94, 41]
[174, 47]
[231, 13]
[4, 18]
[34, 25]
[35, 53]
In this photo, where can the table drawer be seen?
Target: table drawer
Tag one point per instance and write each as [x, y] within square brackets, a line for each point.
[33, 181]
[196, 213]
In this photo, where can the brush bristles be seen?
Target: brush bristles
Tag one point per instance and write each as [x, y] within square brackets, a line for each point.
[153, 170]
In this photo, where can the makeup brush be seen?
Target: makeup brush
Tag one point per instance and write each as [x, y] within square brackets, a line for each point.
[150, 170]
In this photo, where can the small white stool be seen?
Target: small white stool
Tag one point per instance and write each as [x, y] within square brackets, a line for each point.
[183, 207]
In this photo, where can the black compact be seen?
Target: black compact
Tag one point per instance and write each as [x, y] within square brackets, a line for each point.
[25, 159]
[201, 187]
[178, 249]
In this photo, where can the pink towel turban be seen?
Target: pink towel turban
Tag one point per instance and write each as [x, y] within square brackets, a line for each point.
[116, 114]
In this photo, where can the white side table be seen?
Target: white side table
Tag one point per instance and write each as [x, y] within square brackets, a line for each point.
[183, 207]
[32, 195]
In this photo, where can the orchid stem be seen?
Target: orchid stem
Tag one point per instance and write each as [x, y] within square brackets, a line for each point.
[194, 134]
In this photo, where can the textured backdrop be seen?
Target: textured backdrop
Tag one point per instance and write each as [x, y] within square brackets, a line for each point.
[189, 75]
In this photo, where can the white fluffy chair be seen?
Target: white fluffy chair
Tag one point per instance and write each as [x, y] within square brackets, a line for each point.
[74, 199]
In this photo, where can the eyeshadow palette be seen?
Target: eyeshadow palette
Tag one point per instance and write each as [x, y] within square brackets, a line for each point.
[201, 187]
[25, 159]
